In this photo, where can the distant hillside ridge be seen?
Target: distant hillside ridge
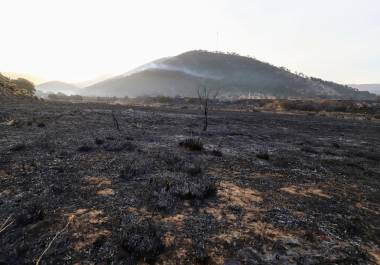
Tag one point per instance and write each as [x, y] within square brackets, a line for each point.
[234, 75]
[372, 88]
[57, 87]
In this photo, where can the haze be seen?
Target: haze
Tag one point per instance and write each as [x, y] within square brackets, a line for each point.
[78, 40]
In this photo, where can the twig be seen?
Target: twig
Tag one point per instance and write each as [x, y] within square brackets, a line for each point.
[71, 218]
[5, 225]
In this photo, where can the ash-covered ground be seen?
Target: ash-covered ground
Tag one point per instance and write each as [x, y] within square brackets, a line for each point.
[104, 184]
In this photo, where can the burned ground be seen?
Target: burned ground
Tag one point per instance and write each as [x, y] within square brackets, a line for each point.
[264, 188]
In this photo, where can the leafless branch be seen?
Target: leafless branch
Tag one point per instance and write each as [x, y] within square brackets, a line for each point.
[7, 223]
[71, 218]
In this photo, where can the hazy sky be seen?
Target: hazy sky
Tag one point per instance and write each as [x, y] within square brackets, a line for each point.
[74, 40]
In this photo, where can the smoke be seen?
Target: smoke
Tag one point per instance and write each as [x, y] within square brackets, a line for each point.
[163, 66]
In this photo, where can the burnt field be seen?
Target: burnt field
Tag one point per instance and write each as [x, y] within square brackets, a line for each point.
[107, 184]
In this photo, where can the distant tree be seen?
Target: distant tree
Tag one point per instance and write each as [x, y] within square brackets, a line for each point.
[76, 97]
[204, 95]
[53, 97]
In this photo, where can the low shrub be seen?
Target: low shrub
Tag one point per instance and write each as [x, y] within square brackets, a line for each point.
[85, 148]
[194, 144]
[118, 147]
[17, 147]
[165, 191]
[263, 156]
[142, 240]
[131, 170]
[217, 153]
[99, 141]
[41, 125]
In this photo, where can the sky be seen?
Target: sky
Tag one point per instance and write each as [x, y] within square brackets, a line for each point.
[78, 40]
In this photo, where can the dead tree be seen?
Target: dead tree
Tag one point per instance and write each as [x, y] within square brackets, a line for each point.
[115, 121]
[204, 95]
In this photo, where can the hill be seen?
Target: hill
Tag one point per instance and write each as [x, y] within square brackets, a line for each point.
[236, 76]
[56, 87]
[372, 88]
[15, 87]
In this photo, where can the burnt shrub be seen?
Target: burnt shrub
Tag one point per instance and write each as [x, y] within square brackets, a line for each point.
[370, 155]
[99, 141]
[85, 148]
[165, 191]
[194, 169]
[17, 147]
[217, 153]
[263, 155]
[41, 125]
[173, 162]
[142, 240]
[309, 149]
[197, 188]
[118, 147]
[193, 144]
[30, 215]
[132, 169]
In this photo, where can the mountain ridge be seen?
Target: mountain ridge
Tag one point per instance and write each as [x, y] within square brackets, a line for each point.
[372, 88]
[234, 75]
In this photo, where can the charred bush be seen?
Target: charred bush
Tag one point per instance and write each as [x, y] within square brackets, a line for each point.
[17, 147]
[99, 141]
[165, 191]
[85, 148]
[309, 149]
[370, 155]
[132, 169]
[173, 161]
[263, 155]
[142, 240]
[194, 170]
[41, 125]
[30, 215]
[194, 188]
[217, 153]
[193, 144]
[118, 147]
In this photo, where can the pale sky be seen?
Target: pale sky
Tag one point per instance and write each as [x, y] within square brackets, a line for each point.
[76, 40]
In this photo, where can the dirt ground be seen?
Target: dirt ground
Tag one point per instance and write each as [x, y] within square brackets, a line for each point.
[103, 184]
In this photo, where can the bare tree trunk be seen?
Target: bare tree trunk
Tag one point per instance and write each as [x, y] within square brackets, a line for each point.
[204, 97]
[205, 123]
[115, 121]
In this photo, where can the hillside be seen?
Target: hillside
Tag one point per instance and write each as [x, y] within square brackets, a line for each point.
[236, 76]
[372, 88]
[15, 87]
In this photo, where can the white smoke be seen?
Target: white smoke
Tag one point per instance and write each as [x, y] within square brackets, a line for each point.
[163, 66]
